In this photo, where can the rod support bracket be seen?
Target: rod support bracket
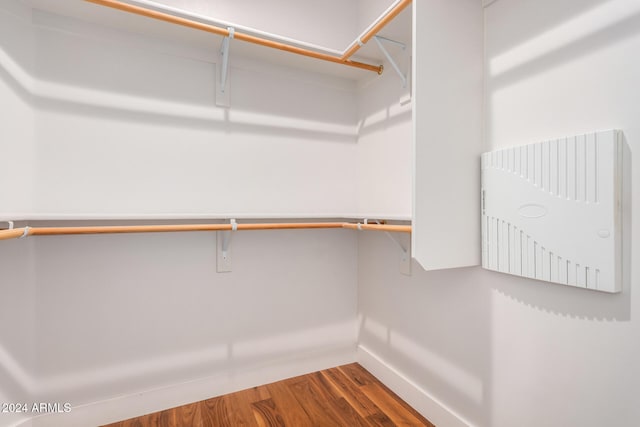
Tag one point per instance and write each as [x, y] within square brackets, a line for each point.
[405, 252]
[10, 225]
[404, 76]
[223, 264]
[222, 84]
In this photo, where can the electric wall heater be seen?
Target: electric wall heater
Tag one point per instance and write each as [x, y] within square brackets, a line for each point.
[552, 211]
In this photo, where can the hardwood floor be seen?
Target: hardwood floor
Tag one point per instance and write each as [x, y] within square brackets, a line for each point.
[344, 396]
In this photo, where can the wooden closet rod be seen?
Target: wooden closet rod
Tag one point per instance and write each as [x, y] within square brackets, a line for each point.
[115, 4]
[368, 35]
[120, 229]
[378, 227]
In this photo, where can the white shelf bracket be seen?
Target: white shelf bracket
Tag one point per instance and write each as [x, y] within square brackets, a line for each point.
[403, 76]
[405, 253]
[222, 84]
[9, 225]
[223, 264]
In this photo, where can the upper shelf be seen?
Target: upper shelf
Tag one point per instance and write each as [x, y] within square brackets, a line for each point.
[398, 28]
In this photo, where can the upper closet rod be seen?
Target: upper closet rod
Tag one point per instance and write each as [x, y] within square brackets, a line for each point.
[393, 11]
[115, 4]
[119, 229]
[175, 11]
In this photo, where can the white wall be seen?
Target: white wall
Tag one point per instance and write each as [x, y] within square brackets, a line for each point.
[558, 77]
[16, 132]
[17, 290]
[119, 315]
[146, 138]
[491, 349]
[384, 149]
[110, 123]
[17, 326]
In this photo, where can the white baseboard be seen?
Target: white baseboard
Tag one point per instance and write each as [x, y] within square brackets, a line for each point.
[129, 406]
[24, 423]
[410, 392]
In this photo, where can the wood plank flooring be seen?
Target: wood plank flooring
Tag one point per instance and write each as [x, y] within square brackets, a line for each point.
[344, 396]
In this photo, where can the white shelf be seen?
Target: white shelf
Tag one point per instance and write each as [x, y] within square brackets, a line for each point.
[191, 216]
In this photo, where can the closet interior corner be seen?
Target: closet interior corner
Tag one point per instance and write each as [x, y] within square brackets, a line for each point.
[189, 185]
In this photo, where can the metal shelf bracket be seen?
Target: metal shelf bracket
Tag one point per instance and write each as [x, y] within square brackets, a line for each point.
[405, 253]
[403, 76]
[222, 85]
[223, 264]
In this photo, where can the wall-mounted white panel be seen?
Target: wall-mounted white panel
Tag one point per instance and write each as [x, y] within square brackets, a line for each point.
[551, 211]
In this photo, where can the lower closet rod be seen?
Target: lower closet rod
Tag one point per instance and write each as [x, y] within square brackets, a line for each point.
[118, 229]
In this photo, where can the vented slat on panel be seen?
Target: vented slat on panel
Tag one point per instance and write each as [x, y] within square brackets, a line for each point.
[571, 168]
[551, 211]
[553, 268]
[546, 166]
[531, 258]
[580, 276]
[517, 251]
[537, 165]
[538, 260]
[562, 271]
[571, 274]
[531, 158]
[491, 246]
[591, 278]
[581, 170]
[591, 168]
[553, 168]
[562, 168]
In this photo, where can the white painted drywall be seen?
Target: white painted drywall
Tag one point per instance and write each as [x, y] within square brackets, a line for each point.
[17, 290]
[16, 133]
[146, 137]
[556, 74]
[501, 351]
[17, 327]
[447, 120]
[384, 159]
[109, 123]
[119, 315]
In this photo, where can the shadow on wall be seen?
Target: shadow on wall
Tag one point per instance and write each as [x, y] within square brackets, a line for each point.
[263, 127]
[17, 332]
[376, 113]
[148, 111]
[262, 104]
[390, 120]
[138, 312]
[433, 327]
[227, 360]
[521, 30]
[536, 56]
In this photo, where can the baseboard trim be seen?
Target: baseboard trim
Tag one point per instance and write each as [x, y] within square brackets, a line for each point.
[133, 405]
[432, 409]
[24, 423]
